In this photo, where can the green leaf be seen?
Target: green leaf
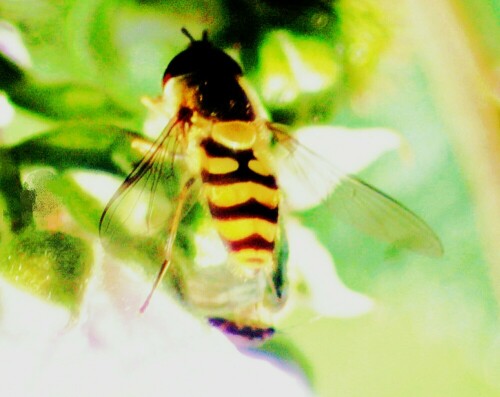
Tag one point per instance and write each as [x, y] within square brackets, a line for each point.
[284, 349]
[59, 100]
[18, 202]
[81, 146]
[53, 266]
[62, 101]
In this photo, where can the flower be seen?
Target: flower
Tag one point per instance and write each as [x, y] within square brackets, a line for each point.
[113, 350]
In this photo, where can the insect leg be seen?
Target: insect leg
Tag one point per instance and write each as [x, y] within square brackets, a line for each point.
[153, 104]
[170, 243]
[277, 286]
[270, 283]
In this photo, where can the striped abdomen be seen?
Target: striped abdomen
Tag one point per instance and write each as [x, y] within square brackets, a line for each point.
[243, 199]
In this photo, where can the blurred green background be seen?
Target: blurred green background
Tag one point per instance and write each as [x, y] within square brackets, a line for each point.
[427, 69]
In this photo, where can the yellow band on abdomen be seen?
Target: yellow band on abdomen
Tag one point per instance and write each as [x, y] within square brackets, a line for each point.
[256, 258]
[238, 193]
[238, 229]
[219, 165]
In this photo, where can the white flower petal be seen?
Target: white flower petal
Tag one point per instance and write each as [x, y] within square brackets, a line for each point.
[115, 351]
[20, 311]
[308, 176]
[6, 111]
[349, 149]
[11, 44]
[329, 296]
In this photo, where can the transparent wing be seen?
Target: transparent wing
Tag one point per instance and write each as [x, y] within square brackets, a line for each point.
[137, 206]
[302, 172]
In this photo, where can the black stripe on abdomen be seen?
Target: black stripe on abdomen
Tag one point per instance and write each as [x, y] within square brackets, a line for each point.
[255, 241]
[242, 174]
[215, 149]
[249, 209]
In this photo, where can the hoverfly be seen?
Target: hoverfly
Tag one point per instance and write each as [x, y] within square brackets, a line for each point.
[219, 133]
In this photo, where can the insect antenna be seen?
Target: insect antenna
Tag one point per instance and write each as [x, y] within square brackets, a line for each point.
[188, 35]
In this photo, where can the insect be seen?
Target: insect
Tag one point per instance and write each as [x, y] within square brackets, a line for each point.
[219, 135]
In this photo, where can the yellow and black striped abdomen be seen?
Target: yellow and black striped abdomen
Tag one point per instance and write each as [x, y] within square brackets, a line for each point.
[243, 199]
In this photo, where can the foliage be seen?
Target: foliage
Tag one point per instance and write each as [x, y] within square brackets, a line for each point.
[78, 109]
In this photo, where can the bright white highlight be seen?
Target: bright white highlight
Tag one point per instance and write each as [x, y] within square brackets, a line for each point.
[210, 250]
[278, 83]
[307, 80]
[100, 185]
[308, 177]
[347, 148]
[115, 351]
[329, 296]
[11, 44]
[6, 111]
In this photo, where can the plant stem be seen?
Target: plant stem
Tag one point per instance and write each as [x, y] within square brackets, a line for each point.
[459, 75]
